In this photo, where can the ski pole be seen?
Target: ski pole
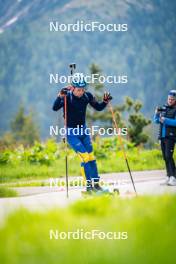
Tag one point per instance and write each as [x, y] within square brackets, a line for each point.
[122, 146]
[65, 141]
[72, 67]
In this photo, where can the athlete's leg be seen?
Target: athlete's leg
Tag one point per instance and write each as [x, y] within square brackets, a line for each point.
[77, 145]
[86, 140]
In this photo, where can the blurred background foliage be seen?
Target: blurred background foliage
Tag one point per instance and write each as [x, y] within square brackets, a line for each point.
[29, 52]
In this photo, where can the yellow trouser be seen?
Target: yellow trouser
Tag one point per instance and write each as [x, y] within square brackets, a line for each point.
[85, 158]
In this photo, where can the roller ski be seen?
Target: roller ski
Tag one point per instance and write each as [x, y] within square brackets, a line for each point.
[97, 190]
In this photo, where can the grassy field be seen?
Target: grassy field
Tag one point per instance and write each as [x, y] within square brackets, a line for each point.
[138, 159]
[6, 192]
[149, 222]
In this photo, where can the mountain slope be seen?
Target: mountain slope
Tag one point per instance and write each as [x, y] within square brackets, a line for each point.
[29, 52]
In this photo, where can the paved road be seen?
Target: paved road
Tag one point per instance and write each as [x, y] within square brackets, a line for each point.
[44, 198]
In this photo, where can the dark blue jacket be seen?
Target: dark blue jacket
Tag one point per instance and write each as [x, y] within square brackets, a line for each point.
[76, 107]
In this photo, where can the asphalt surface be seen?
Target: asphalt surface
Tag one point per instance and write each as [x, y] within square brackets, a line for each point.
[44, 198]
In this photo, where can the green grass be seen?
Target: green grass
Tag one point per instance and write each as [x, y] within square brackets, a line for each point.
[149, 221]
[40, 183]
[139, 160]
[23, 183]
[6, 192]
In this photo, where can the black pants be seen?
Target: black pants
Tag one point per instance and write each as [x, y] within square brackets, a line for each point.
[167, 147]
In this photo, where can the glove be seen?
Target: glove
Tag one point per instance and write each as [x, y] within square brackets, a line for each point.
[107, 97]
[64, 91]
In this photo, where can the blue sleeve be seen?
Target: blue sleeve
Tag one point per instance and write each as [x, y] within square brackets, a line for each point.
[170, 122]
[156, 119]
[95, 104]
[58, 103]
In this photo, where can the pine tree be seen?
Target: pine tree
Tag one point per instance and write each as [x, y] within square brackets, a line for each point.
[23, 128]
[103, 117]
[136, 122]
[127, 114]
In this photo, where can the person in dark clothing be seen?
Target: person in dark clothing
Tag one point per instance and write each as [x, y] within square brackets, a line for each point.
[166, 117]
[77, 100]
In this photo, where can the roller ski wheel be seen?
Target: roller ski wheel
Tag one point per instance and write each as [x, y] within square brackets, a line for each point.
[102, 192]
[116, 191]
[105, 191]
[87, 193]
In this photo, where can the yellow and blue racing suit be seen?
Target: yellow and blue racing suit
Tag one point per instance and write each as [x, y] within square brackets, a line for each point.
[81, 142]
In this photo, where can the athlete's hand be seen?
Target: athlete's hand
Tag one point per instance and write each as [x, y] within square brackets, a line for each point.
[162, 119]
[156, 111]
[63, 92]
[107, 97]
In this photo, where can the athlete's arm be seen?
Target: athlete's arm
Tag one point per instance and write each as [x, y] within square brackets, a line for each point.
[59, 102]
[99, 106]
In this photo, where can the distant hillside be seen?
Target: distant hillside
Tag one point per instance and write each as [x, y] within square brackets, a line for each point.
[29, 52]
